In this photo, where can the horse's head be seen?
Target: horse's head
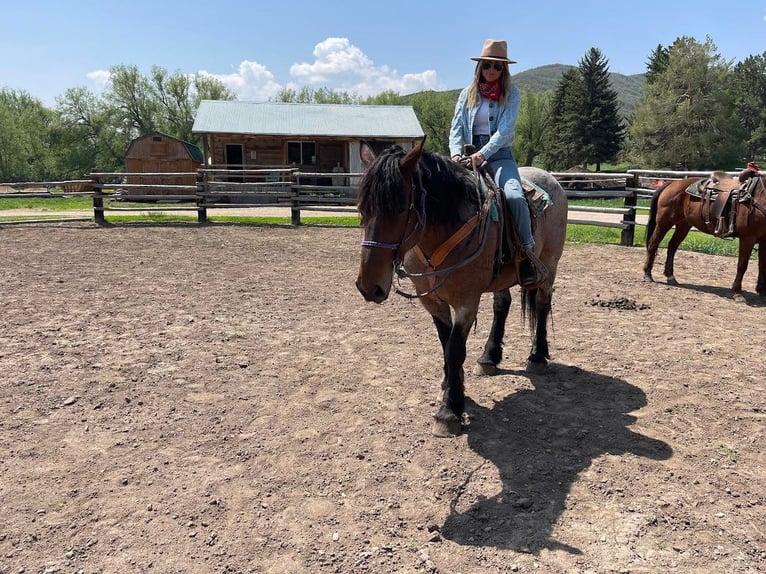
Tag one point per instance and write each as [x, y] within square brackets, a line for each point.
[391, 213]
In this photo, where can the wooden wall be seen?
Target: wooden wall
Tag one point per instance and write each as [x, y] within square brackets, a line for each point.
[271, 151]
[157, 153]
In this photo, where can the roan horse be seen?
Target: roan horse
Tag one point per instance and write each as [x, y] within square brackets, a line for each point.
[719, 205]
[426, 218]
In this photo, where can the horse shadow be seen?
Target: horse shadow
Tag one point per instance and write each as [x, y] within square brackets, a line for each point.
[540, 439]
[752, 299]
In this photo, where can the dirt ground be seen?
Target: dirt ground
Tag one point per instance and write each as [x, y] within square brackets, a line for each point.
[188, 399]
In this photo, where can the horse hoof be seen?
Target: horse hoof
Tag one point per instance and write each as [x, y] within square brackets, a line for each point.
[489, 369]
[536, 367]
[648, 279]
[446, 429]
[672, 281]
[739, 298]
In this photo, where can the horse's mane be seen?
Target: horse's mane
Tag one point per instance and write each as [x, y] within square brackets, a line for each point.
[448, 185]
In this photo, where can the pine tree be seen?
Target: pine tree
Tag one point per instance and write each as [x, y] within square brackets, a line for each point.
[657, 63]
[748, 88]
[563, 140]
[602, 129]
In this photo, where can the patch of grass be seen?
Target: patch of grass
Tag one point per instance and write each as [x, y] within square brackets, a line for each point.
[695, 241]
[55, 203]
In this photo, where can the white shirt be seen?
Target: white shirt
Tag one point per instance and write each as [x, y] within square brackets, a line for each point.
[481, 121]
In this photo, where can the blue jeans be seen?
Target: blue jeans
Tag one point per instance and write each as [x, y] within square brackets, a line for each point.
[508, 179]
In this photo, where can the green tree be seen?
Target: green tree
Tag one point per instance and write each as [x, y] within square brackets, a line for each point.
[657, 63]
[91, 132]
[134, 98]
[564, 136]
[307, 95]
[178, 97]
[434, 111]
[531, 125]
[387, 98]
[601, 124]
[685, 118]
[748, 88]
[26, 153]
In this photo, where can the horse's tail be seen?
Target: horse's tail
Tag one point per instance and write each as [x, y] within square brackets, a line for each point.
[529, 307]
[652, 223]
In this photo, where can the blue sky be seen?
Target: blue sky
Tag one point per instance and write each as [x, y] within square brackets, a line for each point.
[256, 47]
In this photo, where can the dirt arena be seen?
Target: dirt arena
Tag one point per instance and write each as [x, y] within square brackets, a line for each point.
[184, 399]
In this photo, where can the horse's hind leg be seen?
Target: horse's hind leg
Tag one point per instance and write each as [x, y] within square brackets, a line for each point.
[760, 286]
[493, 348]
[538, 307]
[652, 244]
[746, 245]
[682, 230]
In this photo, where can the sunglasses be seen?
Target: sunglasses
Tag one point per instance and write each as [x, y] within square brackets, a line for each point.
[487, 65]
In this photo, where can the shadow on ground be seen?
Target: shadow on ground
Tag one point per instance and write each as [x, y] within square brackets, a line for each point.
[540, 439]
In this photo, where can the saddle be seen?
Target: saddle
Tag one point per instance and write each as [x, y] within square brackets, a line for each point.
[511, 249]
[530, 273]
[720, 195]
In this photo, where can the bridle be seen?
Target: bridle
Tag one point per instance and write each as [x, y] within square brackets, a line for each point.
[481, 219]
[419, 225]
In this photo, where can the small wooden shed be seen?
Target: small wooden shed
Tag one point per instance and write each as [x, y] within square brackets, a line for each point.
[158, 153]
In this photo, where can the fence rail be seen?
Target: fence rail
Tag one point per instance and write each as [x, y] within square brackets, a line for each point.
[220, 188]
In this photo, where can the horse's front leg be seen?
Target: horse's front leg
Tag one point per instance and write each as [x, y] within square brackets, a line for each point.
[746, 245]
[448, 419]
[493, 348]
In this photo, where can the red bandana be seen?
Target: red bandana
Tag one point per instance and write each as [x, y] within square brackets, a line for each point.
[490, 90]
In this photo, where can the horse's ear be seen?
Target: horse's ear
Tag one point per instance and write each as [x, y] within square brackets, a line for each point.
[409, 161]
[366, 154]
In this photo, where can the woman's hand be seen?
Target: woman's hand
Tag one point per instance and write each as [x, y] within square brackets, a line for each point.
[456, 158]
[477, 159]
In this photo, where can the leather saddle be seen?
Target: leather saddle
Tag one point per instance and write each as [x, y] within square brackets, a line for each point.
[719, 193]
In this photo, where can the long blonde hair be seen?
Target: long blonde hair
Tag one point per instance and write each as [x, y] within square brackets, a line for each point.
[505, 85]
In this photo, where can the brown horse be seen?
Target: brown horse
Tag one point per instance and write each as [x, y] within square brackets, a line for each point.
[426, 218]
[672, 205]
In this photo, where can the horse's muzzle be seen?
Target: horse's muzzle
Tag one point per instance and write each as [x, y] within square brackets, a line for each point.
[376, 294]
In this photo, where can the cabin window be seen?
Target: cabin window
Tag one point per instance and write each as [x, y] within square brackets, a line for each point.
[301, 153]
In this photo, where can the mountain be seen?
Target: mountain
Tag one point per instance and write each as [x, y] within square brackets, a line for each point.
[544, 78]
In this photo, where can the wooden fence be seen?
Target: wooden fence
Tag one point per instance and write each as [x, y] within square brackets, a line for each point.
[218, 188]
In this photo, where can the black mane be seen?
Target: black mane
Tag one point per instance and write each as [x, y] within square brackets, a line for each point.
[448, 185]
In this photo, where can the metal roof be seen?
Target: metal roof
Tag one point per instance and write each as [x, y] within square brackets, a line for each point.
[289, 119]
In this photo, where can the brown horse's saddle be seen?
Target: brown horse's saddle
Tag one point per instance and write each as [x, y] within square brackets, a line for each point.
[720, 195]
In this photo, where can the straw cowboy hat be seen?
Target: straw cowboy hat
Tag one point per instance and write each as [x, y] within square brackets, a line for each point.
[495, 50]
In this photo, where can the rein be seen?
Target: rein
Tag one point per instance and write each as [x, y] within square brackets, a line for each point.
[441, 253]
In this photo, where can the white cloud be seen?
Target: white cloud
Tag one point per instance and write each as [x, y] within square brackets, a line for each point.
[252, 81]
[338, 65]
[98, 79]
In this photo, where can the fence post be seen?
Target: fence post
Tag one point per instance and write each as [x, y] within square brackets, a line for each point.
[98, 200]
[201, 194]
[295, 206]
[628, 233]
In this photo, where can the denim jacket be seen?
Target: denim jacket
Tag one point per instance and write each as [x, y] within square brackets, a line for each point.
[502, 124]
